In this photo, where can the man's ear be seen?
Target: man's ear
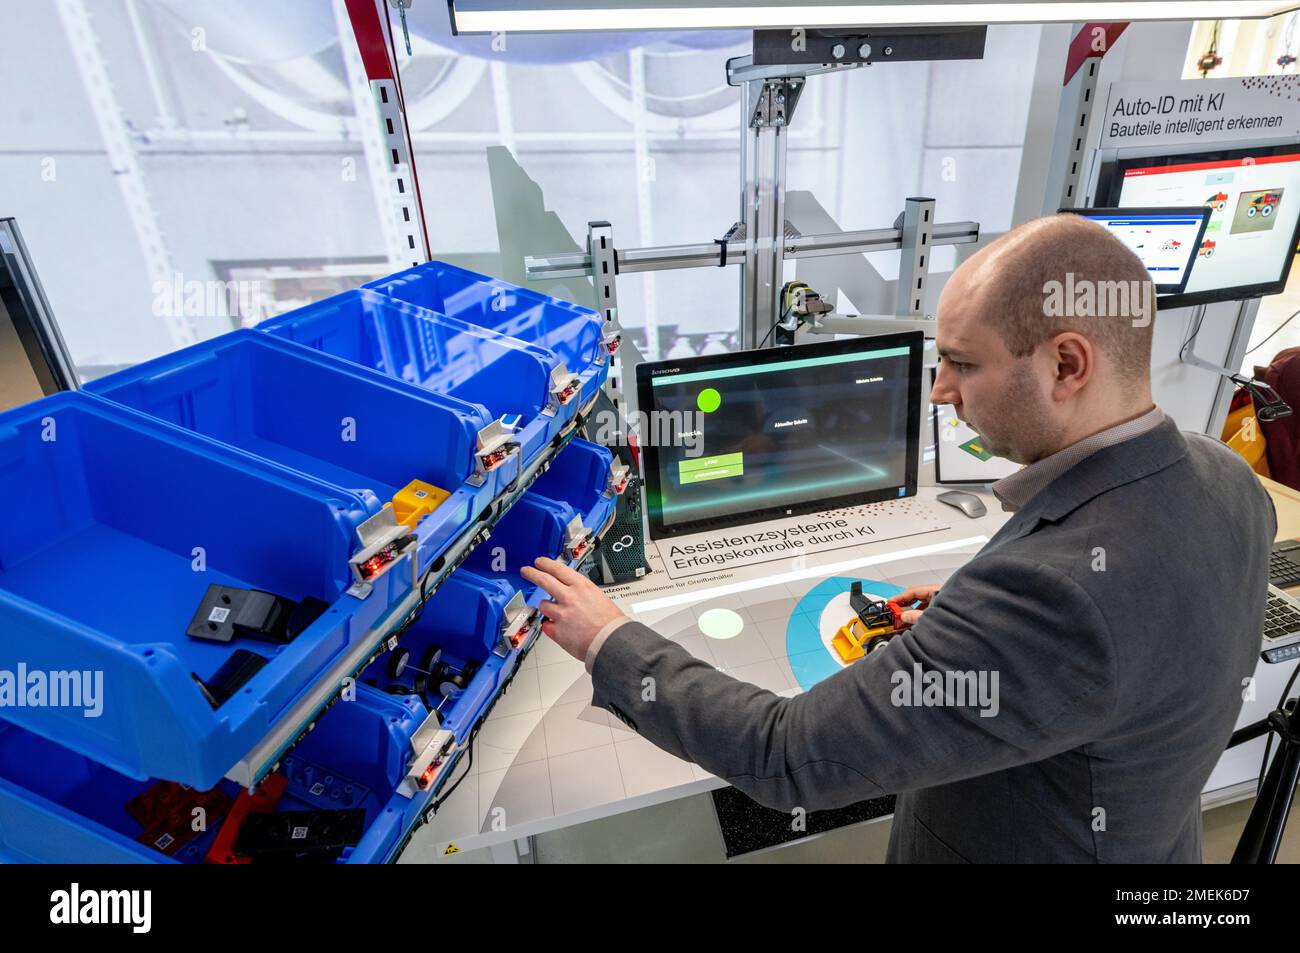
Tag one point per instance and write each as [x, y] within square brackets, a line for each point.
[1074, 359]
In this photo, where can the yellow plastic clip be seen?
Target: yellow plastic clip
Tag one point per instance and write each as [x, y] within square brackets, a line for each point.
[417, 500]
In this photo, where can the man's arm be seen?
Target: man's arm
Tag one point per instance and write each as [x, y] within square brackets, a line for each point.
[1030, 636]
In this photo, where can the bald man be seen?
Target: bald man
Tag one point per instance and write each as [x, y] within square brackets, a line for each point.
[1067, 692]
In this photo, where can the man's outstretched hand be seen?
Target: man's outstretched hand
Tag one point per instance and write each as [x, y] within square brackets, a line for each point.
[921, 594]
[577, 609]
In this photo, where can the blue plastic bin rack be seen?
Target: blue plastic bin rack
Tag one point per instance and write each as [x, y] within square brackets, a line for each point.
[564, 526]
[574, 333]
[57, 805]
[441, 354]
[115, 529]
[324, 417]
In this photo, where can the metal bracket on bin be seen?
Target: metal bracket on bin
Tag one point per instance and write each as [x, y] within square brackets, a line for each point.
[383, 541]
[576, 539]
[609, 345]
[430, 746]
[494, 447]
[564, 386]
[516, 621]
[618, 477]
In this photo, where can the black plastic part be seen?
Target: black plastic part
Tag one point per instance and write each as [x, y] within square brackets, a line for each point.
[231, 677]
[299, 833]
[227, 613]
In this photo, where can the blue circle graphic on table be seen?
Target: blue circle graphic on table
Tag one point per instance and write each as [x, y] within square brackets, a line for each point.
[811, 660]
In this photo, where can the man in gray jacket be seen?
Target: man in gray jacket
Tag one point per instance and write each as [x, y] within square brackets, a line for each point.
[1118, 612]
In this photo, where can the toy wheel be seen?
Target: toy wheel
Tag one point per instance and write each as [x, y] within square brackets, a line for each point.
[879, 642]
[1266, 210]
[432, 656]
[397, 662]
[1209, 253]
[1250, 212]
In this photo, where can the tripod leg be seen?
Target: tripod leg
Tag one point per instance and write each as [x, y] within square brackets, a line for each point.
[1262, 835]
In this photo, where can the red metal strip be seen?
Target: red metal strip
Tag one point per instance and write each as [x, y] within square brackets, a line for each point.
[1085, 45]
[369, 31]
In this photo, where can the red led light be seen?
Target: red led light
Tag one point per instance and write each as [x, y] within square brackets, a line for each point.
[428, 773]
[566, 395]
[612, 344]
[621, 486]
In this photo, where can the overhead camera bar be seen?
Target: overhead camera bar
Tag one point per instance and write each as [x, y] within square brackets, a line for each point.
[771, 81]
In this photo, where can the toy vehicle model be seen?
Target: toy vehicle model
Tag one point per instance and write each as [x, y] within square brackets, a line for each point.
[875, 622]
[1171, 245]
[1207, 249]
[1262, 204]
[1217, 200]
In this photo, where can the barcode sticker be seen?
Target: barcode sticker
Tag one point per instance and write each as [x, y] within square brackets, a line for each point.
[219, 614]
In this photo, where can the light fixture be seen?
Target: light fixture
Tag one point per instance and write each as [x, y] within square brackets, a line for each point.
[535, 16]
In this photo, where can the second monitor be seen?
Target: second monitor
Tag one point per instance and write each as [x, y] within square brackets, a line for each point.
[742, 437]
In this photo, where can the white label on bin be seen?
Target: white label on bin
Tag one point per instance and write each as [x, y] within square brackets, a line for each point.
[420, 494]
[219, 614]
[299, 833]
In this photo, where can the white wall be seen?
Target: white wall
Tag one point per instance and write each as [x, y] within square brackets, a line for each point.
[861, 143]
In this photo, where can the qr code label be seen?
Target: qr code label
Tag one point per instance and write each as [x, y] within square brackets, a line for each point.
[299, 833]
[318, 789]
[219, 614]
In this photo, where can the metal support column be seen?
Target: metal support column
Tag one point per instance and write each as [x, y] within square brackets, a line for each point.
[917, 225]
[768, 106]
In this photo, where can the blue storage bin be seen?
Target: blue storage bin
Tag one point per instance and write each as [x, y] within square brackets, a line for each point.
[534, 526]
[575, 333]
[117, 524]
[59, 806]
[588, 478]
[322, 417]
[357, 757]
[471, 621]
[441, 354]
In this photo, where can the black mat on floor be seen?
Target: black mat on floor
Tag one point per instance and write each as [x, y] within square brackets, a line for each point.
[747, 826]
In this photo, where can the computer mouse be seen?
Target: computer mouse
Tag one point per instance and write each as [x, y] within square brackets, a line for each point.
[968, 503]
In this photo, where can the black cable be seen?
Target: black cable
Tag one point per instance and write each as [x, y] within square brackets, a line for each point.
[469, 766]
[1270, 336]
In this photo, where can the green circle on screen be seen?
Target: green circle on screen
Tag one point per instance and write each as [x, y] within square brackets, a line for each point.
[709, 400]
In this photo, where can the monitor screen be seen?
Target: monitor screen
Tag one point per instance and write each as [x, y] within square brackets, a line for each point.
[742, 437]
[1253, 196]
[1165, 240]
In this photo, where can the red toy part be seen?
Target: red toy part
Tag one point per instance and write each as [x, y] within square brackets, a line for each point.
[896, 609]
[261, 801]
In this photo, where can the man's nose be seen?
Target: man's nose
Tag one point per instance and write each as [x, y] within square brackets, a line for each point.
[943, 392]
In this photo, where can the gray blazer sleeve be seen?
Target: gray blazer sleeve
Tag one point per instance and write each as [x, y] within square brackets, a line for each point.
[850, 737]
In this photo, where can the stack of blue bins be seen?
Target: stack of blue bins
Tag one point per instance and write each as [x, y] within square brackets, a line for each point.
[257, 460]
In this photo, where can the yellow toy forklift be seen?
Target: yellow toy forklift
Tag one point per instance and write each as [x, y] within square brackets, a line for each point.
[874, 623]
